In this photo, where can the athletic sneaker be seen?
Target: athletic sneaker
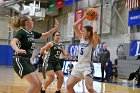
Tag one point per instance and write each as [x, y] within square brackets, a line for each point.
[57, 91]
[138, 84]
[42, 91]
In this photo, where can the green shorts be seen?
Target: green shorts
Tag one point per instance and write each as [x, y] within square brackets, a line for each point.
[54, 66]
[22, 66]
[61, 61]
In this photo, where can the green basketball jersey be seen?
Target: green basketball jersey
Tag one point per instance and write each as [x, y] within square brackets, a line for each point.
[26, 41]
[55, 52]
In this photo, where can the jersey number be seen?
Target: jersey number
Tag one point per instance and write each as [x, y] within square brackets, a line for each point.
[57, 54]
[81, 51]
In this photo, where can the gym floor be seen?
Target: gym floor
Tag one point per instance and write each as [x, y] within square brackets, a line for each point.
[11, 83]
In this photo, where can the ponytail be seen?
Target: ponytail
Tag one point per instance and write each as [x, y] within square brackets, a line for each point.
[17, 22]
[14, 22]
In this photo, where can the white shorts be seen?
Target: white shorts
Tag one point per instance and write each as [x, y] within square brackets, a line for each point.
[83, 69]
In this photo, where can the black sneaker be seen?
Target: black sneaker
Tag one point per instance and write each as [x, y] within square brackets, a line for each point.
[101, 81]
[57, 91]
[42, 91]
[138, 84]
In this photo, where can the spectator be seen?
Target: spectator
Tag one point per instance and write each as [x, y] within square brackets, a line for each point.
[69, 67]
[35, 62]
[104, 59]
[136, 75]
[40, 61]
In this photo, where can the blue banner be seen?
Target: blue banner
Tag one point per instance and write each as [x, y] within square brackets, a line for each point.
[135, 48]
[134, 18]
[6, 55]
[73, 50]
[77, 0]
[68, 2]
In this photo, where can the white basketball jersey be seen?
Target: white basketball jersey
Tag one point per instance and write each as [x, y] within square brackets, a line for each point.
[85, 49]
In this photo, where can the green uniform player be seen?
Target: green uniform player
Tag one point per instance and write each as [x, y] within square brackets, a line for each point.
[54, 49]
[26, 42]
[53, 61]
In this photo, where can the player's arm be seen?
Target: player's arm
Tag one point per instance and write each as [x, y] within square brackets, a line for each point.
[54, 29]
[77, 29]
[15, 47]
[65, 53]
[46, 47]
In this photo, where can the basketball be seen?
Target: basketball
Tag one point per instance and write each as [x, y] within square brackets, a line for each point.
[91, 14]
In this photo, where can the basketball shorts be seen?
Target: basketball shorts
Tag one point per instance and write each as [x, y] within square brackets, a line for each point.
[55, 66]
[22, 66]
[83, 69]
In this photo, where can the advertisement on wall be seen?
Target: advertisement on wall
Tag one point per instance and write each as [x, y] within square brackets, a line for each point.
[73, 51]
[134, 18]
[135, 48]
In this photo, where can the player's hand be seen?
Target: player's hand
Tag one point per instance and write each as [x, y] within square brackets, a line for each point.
[97, 16]
[106, 64]
[41, 51]
[84, 17]
[21, 51]
[67, 54]
[56, 23]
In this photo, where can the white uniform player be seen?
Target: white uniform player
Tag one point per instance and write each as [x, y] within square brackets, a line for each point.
[84, 67]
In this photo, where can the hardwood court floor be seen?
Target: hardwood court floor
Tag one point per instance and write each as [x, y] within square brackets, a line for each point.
[11, 83]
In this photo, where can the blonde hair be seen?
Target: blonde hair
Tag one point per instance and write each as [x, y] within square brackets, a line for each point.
[18, 21]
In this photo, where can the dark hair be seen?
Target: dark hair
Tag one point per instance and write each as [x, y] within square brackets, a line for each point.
[89, 29]
[55, 33]
[17, 22]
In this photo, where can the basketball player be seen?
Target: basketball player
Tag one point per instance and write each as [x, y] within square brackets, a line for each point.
[84, 68]
[54, 48]
[23, 44]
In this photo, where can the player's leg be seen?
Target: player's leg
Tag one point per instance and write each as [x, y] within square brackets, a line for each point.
[88, 76]
[60, 76]
[35, 84]
[50, 74]
[50, 78]
[60, 79]
[89, 84]
[25, 70]
[76, 76]
[71, 82]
